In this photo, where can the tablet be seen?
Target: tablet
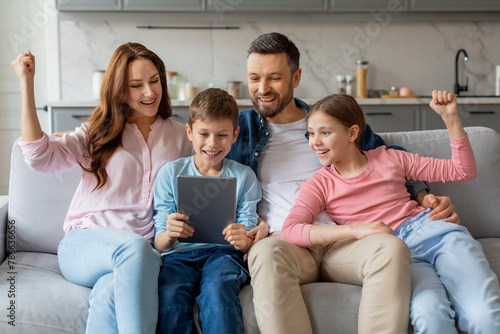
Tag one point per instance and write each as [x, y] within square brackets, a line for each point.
[210, 203]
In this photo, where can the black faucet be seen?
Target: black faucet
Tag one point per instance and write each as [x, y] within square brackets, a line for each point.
[457, 87]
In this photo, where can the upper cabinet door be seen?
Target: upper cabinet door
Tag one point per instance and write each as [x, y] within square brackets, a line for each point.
[454, 5]
[263, 6]
[163, 5]
[90, 5]
[368, 5]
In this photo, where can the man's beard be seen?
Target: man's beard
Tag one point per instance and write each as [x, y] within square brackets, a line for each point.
[268, 112]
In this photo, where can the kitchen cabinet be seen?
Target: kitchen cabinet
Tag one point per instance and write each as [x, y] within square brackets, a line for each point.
[454, 5]
[471, 115]
[368, 6]
[66, 118]
[163, 5]
[88, 5]
[388, 118]
[267, 5]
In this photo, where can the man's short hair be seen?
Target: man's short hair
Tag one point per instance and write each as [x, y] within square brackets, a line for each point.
[213, 104]
[274, 43]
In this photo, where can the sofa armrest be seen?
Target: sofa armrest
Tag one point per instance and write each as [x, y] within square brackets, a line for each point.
[4, 205]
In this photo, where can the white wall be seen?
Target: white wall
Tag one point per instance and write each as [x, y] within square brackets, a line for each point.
[26, 24]
[420, 55]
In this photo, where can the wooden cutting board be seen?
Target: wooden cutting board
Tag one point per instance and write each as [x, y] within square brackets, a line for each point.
[399, 97]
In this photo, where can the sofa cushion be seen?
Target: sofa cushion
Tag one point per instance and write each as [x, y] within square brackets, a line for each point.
[38, 222]
[491, 248]
[44, 301]
[332, 307]
[477, 201]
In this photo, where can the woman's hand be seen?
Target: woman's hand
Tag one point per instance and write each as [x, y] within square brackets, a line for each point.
[236, 235]
[177, 226]
[378, 227]
[24, 66]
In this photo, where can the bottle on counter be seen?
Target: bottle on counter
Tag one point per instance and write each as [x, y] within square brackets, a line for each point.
[348, 84]
[172, 85]
[361, 72]
[341, 84]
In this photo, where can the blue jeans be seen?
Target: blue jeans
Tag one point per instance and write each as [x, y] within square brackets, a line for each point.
[213, 277]
[122, 269]
[450, 276]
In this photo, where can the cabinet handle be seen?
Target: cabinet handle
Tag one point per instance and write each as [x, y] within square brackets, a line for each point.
[81, 117]
[482, 112]
[378, 113]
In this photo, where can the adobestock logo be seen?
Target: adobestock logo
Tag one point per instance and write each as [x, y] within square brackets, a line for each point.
[372, 29]
[30, 27]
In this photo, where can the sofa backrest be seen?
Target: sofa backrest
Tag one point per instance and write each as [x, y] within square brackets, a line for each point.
[476, 202]
[38, 203]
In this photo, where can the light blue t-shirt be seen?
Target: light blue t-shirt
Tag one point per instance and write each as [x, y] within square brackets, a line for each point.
[248, 194]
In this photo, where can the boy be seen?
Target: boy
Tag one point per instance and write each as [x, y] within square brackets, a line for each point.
[210, 274]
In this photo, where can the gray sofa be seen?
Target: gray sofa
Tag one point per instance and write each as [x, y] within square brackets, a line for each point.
[37, 299]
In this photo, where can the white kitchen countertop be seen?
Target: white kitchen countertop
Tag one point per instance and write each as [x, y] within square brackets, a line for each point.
[310, 101]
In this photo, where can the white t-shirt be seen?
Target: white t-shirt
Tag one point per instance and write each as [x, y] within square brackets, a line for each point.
[286, 162]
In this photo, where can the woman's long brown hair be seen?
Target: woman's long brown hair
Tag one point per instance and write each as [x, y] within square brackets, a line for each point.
[106, 124]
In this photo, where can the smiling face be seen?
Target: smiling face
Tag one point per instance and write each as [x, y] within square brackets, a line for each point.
[144, 89]
[212, 141]
[271, 83]
[332, 141]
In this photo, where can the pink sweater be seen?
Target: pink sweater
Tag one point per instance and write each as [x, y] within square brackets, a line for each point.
[126, 200]
[378, 193]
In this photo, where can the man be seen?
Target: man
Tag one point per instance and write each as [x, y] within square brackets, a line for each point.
[272, 142]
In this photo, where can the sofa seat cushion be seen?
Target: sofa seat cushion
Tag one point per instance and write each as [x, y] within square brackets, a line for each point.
[45, 302]
[491, 248]
[333, 307]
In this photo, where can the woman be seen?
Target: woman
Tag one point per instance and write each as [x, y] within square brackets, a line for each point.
[109, 225]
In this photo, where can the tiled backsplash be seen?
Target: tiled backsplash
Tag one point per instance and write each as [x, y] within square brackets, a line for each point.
[419, 55]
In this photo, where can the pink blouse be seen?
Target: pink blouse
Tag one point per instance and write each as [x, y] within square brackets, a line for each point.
[126, 200]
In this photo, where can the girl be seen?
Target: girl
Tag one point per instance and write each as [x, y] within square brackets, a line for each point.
[364, 192]
[109, 225]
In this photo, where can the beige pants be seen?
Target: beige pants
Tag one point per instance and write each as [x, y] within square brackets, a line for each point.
[380, 263]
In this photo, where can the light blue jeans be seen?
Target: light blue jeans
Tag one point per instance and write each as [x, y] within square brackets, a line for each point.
[122, 269]
[450, 276]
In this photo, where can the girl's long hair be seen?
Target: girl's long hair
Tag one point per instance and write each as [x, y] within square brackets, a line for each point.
[106, 124]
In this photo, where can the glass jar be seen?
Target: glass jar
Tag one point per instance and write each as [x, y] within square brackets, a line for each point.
[341, 84]
[172, 85]
[190, 90]
[348, 84]
[96, 84]
[361, 71]
[234, 89]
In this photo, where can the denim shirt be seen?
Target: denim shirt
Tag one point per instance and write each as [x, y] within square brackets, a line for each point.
[254, 135]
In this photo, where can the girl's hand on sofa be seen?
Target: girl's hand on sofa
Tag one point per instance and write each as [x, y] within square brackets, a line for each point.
[442, 208]
[236, 235]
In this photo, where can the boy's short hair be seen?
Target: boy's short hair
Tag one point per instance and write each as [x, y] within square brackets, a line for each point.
[213, 104]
